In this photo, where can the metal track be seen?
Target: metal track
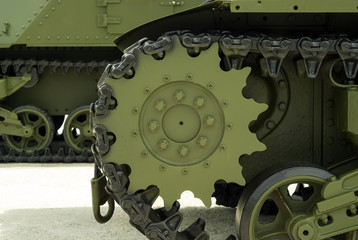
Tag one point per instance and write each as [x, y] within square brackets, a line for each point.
[63, 154]
[160, 223]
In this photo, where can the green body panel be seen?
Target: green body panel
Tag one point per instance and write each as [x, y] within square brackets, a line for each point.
[60, 23]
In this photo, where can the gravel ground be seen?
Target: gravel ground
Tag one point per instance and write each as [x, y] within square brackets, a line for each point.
[53, 201]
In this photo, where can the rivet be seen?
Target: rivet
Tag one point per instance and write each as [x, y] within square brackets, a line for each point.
[17, 34]
[163, 144]
[48, 37]
[210, 85]
[330, 141]
[330, 122]
[41, 6]
[147, 90]
[199, 102]
[202, 141]
[153, 126]
[144, 154]
[222, 148]
[209, 120]
[270, 124]
[40, 23]
[282, 84]
[106, 37]
[28, 37]
[229, 126]
[97, 37]
[59, 1]
[53, 8]
[134, 133]
[87, 37]
[166, 78]
[330, 103]
[183, 150]
[162, 167]
[185, 171]
[77, 37]
[23, 27]
[160, 105]
[38, 37]
[68, 37]
[29, 20]
[58, 37]
[224, 103]
[282, 106]
[179, 95]
[189, 76]
[46, 16]
[35, 13]
[135, 110]
[206, 164]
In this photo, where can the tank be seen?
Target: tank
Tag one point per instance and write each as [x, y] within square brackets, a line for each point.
[250, 102]
[52, 53]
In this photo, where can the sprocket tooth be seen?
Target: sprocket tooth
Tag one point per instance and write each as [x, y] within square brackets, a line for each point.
[194, 232]
[164, 213]
[150, 195]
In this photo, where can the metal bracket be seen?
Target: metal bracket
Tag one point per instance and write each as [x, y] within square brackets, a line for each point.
[103, 20]
[313, 52]
[348, 52]
[103, 3]
[274, 51]
[99, 198]
[6, 28]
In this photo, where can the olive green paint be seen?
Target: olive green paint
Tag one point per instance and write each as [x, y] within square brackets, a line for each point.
[79, 22]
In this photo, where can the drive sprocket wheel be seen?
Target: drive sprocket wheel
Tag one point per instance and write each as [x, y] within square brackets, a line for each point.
[77, 131]
[42, 128]
[277, 198]
[182, 123]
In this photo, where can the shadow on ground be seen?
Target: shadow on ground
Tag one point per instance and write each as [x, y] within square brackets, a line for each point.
[79, 224]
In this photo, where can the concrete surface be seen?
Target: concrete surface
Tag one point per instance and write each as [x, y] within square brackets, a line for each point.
[53, 201]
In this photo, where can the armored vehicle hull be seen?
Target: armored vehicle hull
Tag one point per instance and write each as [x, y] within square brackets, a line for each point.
[52, 53]
[251, 102]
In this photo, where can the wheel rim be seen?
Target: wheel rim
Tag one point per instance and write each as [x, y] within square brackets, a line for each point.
[42, 127]
[77, 129]
[268, 208]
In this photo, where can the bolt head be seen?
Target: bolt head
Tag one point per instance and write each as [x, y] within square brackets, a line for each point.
[185, 171]
[160, 105]
[153, 126]
[179, 95]
[209, 120]
[199, 102]
[135, 110]
[202, 141]
[306, 232]
[163, 144]
[183, 151]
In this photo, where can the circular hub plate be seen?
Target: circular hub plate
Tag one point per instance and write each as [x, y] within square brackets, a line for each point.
[181, 123]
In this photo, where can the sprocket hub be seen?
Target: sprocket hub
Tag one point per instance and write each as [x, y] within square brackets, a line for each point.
[182, 123]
